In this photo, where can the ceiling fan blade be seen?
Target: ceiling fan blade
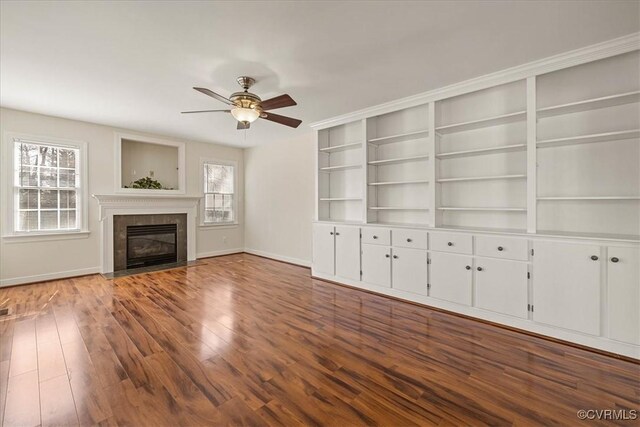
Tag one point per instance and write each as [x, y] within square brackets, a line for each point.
[278, 102]
[206, 111]
[283, 120]
[213, 95]
[243, 125]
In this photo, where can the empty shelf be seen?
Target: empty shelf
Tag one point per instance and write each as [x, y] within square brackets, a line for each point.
[339, 168]
[399, 182]
[400, 137]
[395, 208]
[482, 178]
[481, 151]
[590, 198]
[590, 104]
[398, 160]
[341, 147]
[452, 208]
[339, 199]
[481, 123]
[586, 139]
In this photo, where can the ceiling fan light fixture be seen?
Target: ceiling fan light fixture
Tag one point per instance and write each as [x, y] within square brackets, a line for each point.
[245, 114]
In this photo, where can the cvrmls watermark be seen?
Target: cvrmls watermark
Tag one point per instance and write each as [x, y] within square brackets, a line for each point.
[608, 414]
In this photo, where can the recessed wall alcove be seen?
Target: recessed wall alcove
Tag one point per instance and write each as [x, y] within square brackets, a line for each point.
[154, 159]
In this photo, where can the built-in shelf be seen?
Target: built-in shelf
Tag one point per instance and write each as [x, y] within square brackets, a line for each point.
[339, 168]
[400, 137]
[339, 199]
[342, 147]
[591, 198]
[398, 160]
[481, 123]
[481, 151]
[453, 208]
[482, 178]
[590, 104]
[591, 138]
[399, 182]
[396, 208]
[589, 235]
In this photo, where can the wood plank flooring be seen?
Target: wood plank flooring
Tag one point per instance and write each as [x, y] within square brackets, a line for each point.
[242, 340]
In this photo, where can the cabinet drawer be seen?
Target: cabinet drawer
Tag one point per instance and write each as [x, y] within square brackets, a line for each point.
[451, 242]
[376, 236]
[416, 239]
[502, 247]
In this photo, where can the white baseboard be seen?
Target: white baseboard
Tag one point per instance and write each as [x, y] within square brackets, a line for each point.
[219, 253]
[49, 276]
[296, 261]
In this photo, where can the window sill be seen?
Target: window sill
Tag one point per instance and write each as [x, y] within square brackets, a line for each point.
[220, 226]
[45, 237]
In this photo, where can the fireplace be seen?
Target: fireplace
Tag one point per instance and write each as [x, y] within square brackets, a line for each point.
[146, 240]
[151, 245]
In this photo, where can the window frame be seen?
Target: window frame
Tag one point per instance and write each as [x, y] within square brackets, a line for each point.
[11, 198]
[234, 222]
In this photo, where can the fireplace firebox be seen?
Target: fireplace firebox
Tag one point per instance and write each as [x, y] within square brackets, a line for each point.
[151, 244]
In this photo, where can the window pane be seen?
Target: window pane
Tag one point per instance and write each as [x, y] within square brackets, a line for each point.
[29, 154]
[67, 158]
[28, 199]
[48, 177]
[208, 201]
[67, 199]
[29, 176]
[48, 156]
[67, 178]
[48, 199]
[48, 220]
[28, 221]
[208, 215]
[68, 219]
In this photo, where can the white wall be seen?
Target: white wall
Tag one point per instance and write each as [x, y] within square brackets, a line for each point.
[24, 261]
[279, 199]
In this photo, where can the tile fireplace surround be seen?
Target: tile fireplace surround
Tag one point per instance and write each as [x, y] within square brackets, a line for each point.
[113, 205]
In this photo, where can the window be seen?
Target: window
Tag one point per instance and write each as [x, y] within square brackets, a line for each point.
[219, 192]
[47, 196]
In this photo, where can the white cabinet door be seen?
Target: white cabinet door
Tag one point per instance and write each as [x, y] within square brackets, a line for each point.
[624, 294]
[323, 249]
[348, 252]
[409, 270]
[566, 286]
[376, 265]
[450, 277]
[501, 286]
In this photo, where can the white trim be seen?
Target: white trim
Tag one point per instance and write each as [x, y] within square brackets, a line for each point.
[271, 255]
[234, 163]
[182, 182]
[583, 55]
[220, 252]
[7, 157]
[23, 280]
[45, 237]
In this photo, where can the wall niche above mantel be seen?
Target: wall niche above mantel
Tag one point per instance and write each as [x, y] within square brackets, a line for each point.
[147, 165]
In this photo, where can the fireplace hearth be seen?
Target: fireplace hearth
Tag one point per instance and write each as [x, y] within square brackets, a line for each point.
[151, 245]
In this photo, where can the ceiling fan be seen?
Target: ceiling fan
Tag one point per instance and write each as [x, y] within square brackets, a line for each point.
[247, 107]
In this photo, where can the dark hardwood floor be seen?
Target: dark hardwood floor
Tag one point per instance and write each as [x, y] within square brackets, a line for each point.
[242, 340]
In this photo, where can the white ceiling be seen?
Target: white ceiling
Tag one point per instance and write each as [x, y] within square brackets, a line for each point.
[132, 64]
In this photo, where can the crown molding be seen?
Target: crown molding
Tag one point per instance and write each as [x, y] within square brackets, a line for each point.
[568, 59]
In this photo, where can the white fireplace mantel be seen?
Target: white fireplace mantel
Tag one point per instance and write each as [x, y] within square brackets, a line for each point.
[125, 204]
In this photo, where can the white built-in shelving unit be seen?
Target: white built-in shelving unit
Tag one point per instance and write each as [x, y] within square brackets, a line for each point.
[588, 125]
[552, 153]
[341, 173]
[397, 160]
